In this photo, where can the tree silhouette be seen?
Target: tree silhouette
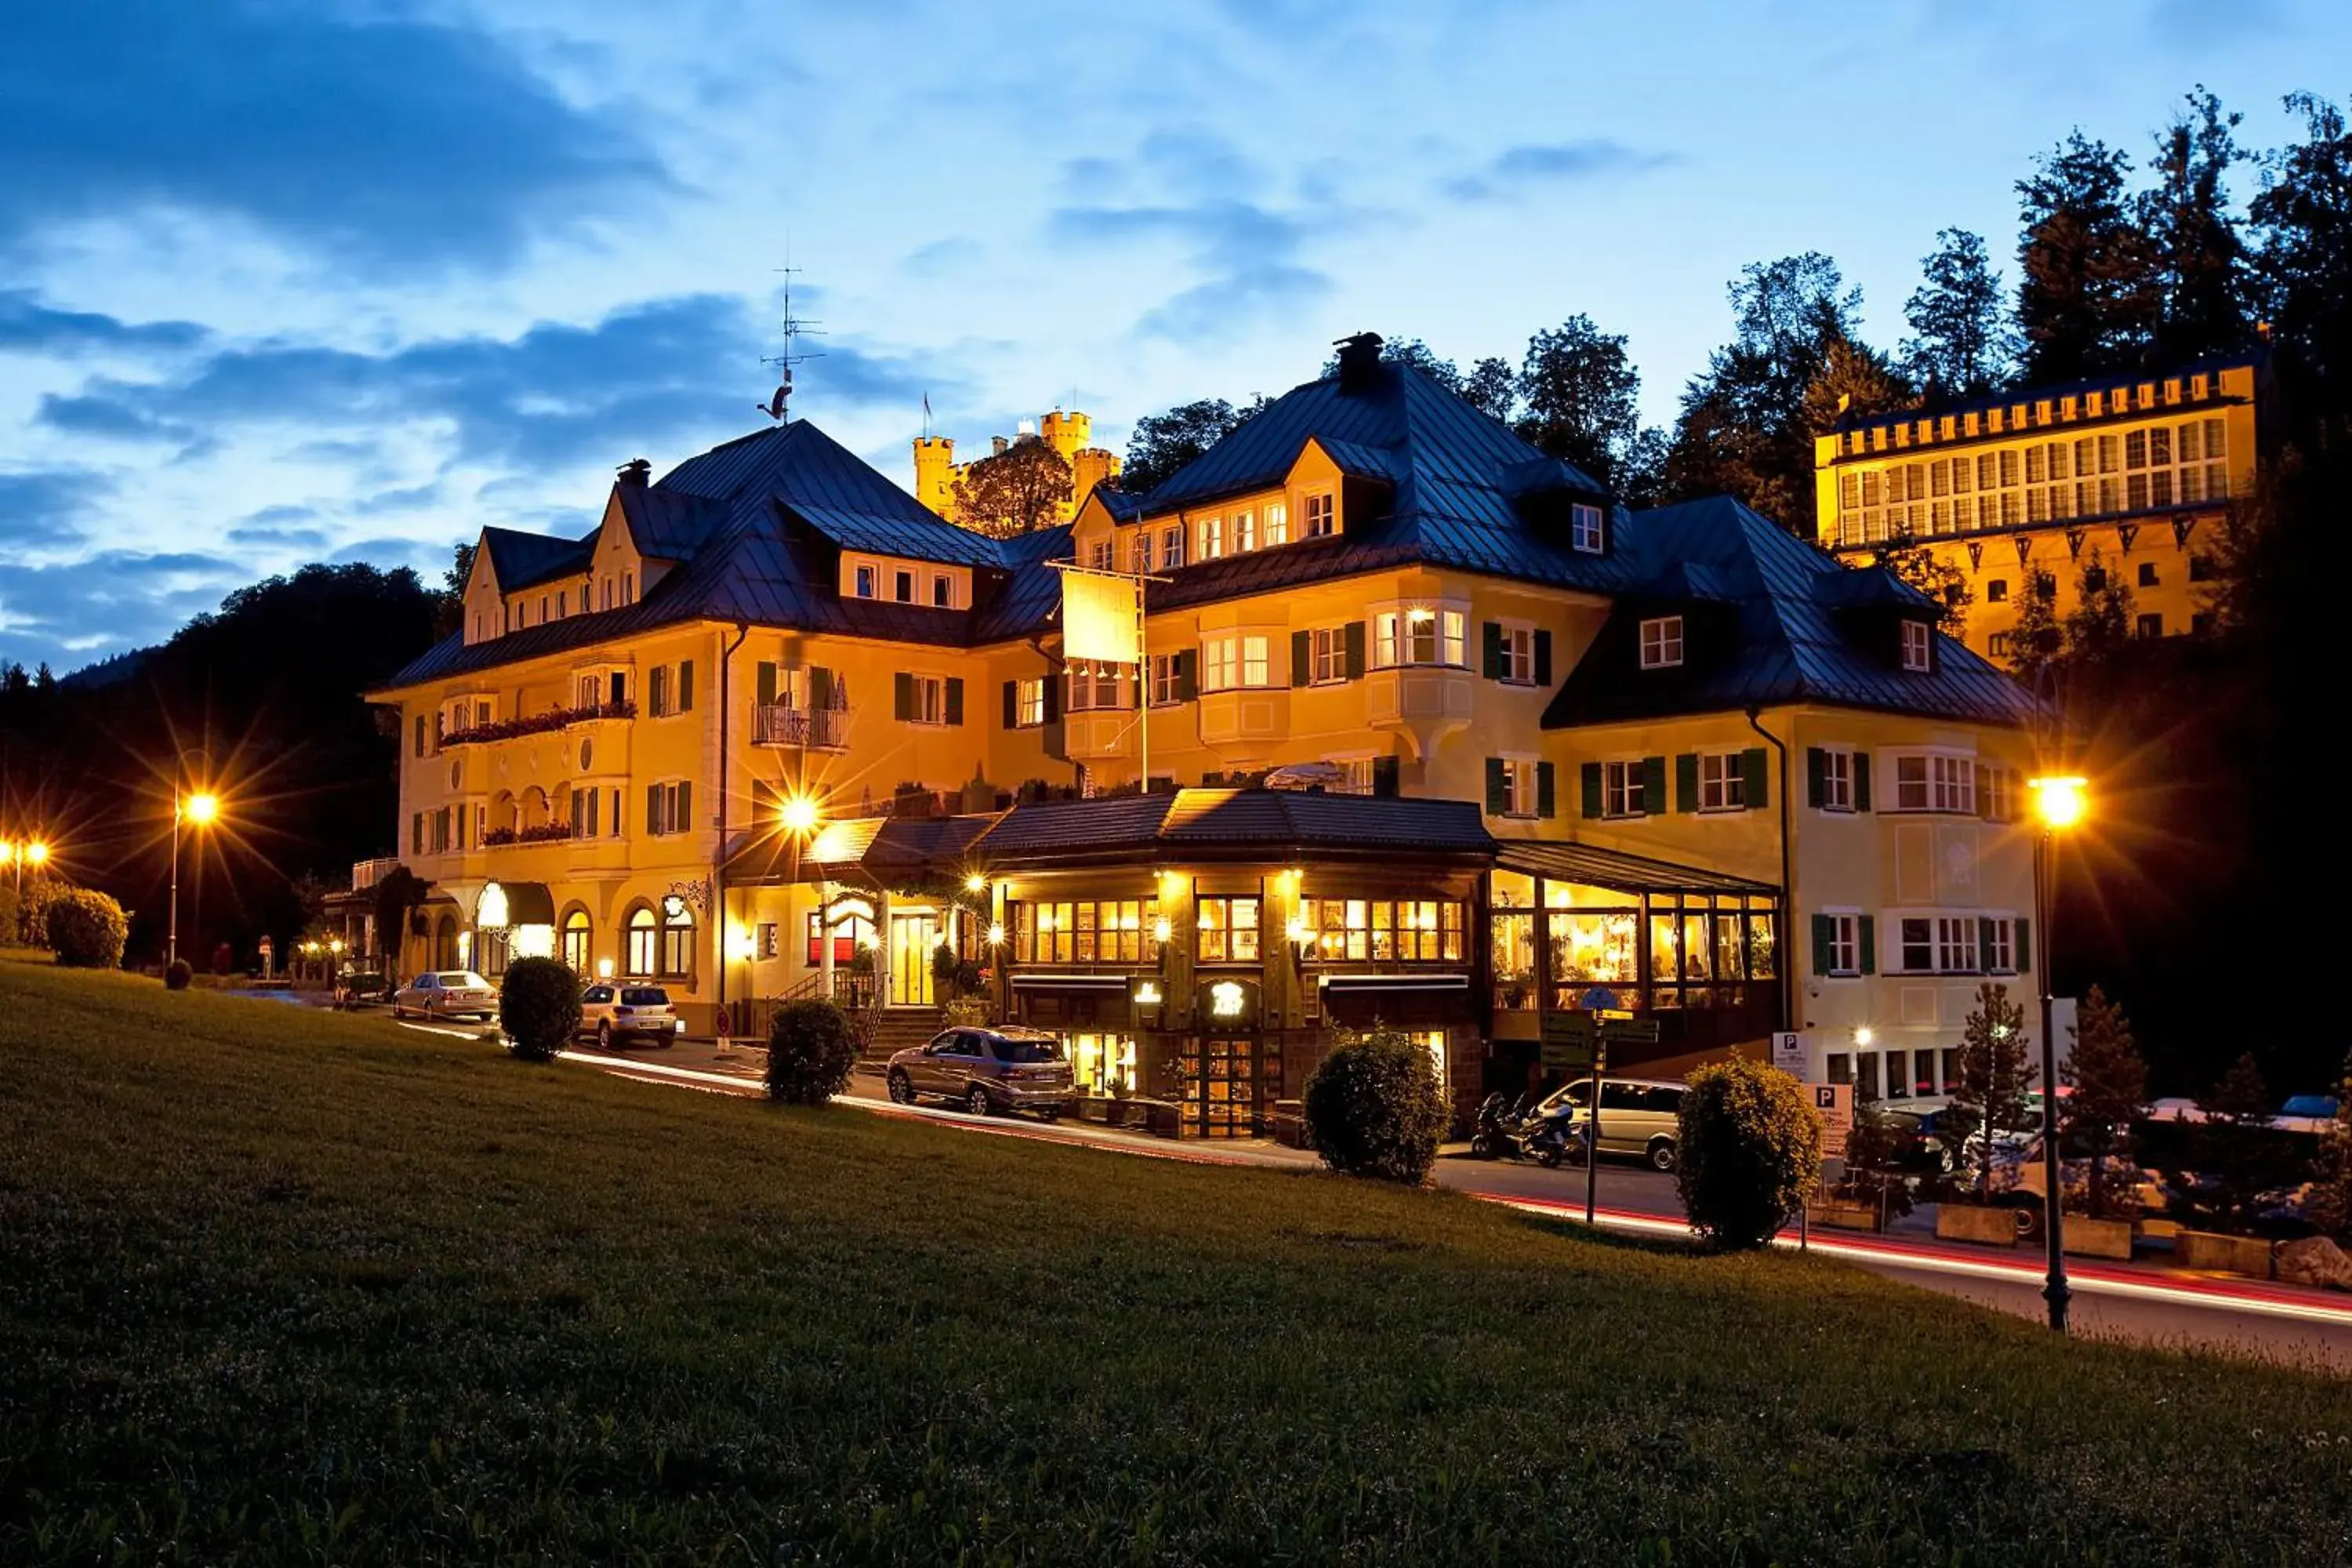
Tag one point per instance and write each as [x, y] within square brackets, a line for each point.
[1962, 342]
[1014, 491]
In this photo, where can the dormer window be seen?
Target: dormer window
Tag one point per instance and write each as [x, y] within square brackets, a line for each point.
[1584, 533]
[1919, 647]
[942, 591]
[1662, 642]
[869, 583]
[1278, 523]
[1320, 516]
[902, 586]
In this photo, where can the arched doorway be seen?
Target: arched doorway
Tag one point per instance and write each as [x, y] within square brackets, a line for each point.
[444, 943]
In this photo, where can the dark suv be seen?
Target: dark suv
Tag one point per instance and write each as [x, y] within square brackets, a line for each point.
[987, 1071]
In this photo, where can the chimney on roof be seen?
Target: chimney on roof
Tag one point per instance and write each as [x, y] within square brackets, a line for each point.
[1359, 362]
[996, 446]
[637, 472]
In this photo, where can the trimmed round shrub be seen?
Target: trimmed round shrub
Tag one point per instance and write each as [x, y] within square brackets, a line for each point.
[86, 928]
[178, 974]
[1374, 1107]
[812, 1050]
[1748, 1147]
[539, 1007]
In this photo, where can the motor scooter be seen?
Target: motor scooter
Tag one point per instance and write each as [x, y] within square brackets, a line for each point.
[1502, 1129]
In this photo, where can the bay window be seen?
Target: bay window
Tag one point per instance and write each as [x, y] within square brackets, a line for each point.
[1234, 659]
[1419, 635]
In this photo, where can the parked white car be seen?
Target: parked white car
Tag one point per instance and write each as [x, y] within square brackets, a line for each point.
[446, 993]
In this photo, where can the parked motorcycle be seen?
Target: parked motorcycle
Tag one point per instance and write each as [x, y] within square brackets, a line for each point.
[1501, 1132]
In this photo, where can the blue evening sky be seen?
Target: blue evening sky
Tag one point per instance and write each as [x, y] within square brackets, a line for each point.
[309, 281]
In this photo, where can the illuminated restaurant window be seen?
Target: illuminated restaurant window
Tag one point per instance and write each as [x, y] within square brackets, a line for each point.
[1228, 931]
[1107, 930]
[1412, 931]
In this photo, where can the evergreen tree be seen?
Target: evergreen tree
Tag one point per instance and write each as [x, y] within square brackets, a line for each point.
[1581, 397]
[2089, 301]
[2036, 641]
[2199, 259]
[2302, 222]
[2110, 1092]
[1994, 1079]
[2329, 1206]
[1961, 343]
[1854, 381]
[2234, 1145]
[1914, 563]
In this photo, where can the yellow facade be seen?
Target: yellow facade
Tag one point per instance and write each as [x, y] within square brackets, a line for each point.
[2132, 478]
[1068, 432]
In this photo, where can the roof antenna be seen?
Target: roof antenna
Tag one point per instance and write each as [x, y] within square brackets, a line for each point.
[794, 329]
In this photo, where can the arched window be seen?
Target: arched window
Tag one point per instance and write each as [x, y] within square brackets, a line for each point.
[445, 943]
[575, 943]
[638, 960]
[677, 943]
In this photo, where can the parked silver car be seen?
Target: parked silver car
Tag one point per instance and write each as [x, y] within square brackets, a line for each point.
[1638, 1116]
[987, 1071]
[446, 993]
[614, 1013]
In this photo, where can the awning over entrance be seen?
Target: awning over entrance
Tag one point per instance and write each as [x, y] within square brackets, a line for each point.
[506, 905]
[1073, 985]
[1408, 1001]
[1621, 872]
[883, 851]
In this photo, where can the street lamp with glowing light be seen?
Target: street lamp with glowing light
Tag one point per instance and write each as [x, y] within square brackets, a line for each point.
[200, 809]
[800, 815]
[975, 883]
[2061, 802]
[1865, 1034]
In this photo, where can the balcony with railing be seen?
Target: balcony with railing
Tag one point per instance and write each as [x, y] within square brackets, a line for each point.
[366, 874]
[782, 724]
[537, 724]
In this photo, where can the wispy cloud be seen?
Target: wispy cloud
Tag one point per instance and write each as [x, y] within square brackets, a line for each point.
[1515, 170]
[27, 326]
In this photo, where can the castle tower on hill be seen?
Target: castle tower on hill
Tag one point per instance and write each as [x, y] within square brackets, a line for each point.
[1067, 431]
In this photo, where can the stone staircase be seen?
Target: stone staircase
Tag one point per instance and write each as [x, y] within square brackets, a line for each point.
[894, 1030]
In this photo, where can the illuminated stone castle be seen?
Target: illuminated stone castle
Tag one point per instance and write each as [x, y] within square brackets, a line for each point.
[1068, 432]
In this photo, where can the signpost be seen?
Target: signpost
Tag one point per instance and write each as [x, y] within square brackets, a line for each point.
[1835, 1103]
[1789, 1053]
[1567, 1044]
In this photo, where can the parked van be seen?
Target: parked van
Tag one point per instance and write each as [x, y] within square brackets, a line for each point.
[1642, 1117]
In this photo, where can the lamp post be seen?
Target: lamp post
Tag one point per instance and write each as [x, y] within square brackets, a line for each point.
[800, 816]
[2059, 803]
[199, 810]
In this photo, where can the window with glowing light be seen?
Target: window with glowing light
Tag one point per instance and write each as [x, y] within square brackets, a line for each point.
[1382, 930]
[575, 943]
[642, 945]
[1419, 635]
[1084, 930]
[1227, 931]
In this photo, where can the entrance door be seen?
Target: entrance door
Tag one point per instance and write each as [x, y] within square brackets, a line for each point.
[1227, 1087]
[913, 938]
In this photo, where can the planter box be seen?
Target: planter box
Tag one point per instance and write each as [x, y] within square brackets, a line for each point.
[1844, 1216]
[1967, 1222]
[2098, 1237]
[2205, 1249]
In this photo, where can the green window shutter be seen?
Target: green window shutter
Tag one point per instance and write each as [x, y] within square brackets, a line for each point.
[902, 696]
[1012, 704]
[652, 808]
[1817, 773]
[1499, 786]
[2024, 945]
[1053, 699]
[1302, 657]
[1547, 801]
[1388, 777]
[1824, 936]
[1588, 784]
[1757, 781]
[1653, 786]
[955, 698]
[1687, 782]
[1869, 924]
[764, 683]
[685, 686]
[1355, 650]
[1984, 947]
[1862, 781]
[1490, 637]
[820, 688]
[1543, 657]
[682, 819]
[1188, 674]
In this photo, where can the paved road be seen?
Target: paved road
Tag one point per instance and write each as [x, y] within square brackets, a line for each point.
[2144, 1302]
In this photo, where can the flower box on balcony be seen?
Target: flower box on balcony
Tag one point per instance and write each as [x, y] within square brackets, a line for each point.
[537, 724]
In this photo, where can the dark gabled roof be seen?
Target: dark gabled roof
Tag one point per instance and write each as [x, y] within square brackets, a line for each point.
[1784, 637]
[521, 560]
[1027, 600]
[892, 850]
[667, 524]
[1456, 481]
[1261, 822]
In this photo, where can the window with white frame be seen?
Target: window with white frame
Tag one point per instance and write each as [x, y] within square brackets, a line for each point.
[1278, 523]
[1722, 782]
[1934, 781]
[1584, 530]
[1837, 781]
[1095, 685]
[1999, 945]
[1917, 646]
[942, 591]
[1419, 635]
[1622, 791]
[1245, 531]
[1099, 556]
[867, 580]
[1172, 547]
[1164, 685]
[1211, 535]
[1138, 553]
[930, 701]
[1939, 945]
[1662, 642]
[1844, 956]
[1234, 659]
[1331, 655]
[1318, 515]
[1519, 654]
[1029, 702]
[1518, 786]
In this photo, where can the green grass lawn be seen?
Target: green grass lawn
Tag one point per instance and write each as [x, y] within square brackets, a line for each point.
[282, 1287]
